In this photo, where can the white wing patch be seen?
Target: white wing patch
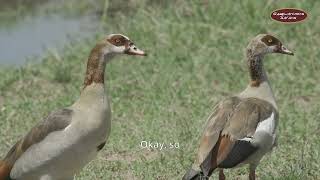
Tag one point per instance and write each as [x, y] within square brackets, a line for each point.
[264, 131]
[268, 125]
[246, 139]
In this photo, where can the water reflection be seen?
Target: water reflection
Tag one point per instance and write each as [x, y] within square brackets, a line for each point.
[33, 35]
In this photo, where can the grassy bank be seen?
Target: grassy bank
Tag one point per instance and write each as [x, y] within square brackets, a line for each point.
[196, 58]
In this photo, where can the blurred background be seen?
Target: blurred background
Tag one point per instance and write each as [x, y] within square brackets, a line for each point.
[196, 58]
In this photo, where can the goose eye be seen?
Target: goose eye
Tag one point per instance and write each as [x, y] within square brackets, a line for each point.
[269, 40]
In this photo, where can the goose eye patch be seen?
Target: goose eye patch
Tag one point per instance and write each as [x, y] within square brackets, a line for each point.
[270, 40]
[118, 40]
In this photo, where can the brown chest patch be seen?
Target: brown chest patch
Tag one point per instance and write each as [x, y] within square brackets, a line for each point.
[255, 83]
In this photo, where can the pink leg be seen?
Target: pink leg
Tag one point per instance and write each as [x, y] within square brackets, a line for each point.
[221, 175]
[252, 173]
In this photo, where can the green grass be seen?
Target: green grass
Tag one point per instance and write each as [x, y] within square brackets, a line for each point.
[196, 58]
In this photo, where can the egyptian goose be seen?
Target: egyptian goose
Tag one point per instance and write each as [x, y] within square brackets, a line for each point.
[241, 128]
[66, 140]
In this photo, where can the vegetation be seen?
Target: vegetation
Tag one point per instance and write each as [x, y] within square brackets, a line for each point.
[196, 58]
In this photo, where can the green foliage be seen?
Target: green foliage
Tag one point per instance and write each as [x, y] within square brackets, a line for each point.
[196, 58]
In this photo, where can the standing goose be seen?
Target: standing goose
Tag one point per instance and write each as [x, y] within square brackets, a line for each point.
[65, 141]
[241, 128]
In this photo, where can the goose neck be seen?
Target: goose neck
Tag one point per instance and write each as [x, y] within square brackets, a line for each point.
[96, 65]
[256, 69]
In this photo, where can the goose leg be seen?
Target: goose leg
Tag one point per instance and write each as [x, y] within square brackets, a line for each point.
[252, 172]
[221, 175]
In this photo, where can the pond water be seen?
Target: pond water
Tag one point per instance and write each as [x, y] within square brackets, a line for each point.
[32, 36]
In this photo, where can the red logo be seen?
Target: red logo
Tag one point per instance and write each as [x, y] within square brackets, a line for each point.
[289, 15]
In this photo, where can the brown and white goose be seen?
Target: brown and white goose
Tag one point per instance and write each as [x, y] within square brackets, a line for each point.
[241, 128]
[65, 141]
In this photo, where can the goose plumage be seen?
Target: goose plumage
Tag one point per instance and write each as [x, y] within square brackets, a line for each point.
[66, 140]
[241, 128]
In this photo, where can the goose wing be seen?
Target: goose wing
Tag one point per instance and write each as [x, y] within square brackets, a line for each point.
[56, 121]
[226, 139]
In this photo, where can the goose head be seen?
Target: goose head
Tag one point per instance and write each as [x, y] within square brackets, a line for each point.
[119, 44]
[264, 43]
